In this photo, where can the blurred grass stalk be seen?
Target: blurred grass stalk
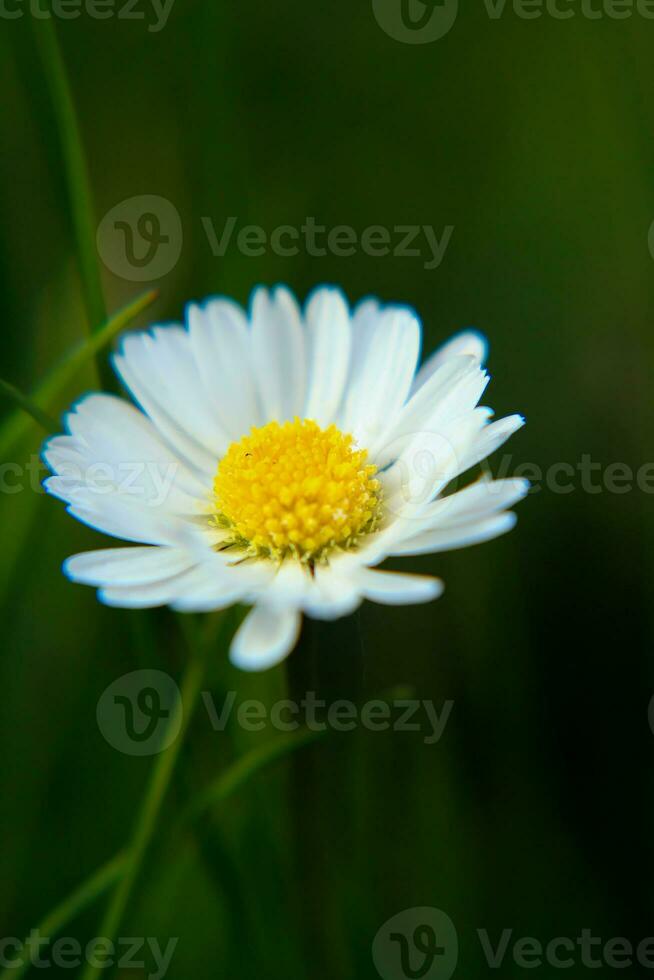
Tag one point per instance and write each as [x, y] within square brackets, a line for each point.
[157, 788]
[39, 405]
[76, 174]
[80, 199]
[224, 786]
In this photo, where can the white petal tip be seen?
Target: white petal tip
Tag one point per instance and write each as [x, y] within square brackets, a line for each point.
[265, 638]
[399, 589]
[68, 568]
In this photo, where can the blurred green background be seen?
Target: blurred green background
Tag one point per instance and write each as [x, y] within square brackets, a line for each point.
[533, 139]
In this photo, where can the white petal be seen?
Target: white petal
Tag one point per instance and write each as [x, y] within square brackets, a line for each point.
[454, 521]
[469, 343]
[490, 438]
[333, 593]
[365, 318]
[127, 566]
[265, 638]
[330, 591]
[161, 593]
[328, 351]
[119, 516]
[159, 370]
[278, 352]
[457, 536]
[221, 343]
[452, 391]
[480, 499]
[430, 461]
[396, 588]
[290, 584]
[224, 586]
[380, 389]
[114, 448]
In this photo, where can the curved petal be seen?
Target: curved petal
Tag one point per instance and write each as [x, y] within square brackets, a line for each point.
[119, 516]
[334, 593]
[118, 476]
[428, 461]
[454, 389]
[449, 538]
[382, 384]
[397, 588]
[159, 370]
[112, 448]
[480, 499]
[490, 438]
[153, 594]
[226, 585]
[278, 353]
[468, 343]
[174, 590]
[329, 340]
[265, 637]
[222, 348]
[365, 318]
[127, 566]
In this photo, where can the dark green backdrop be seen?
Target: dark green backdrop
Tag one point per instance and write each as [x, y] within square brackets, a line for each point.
[533, 139]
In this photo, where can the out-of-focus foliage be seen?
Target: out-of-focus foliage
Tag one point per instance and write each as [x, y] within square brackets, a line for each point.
[532, 138]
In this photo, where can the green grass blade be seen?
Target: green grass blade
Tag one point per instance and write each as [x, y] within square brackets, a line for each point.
[18, 423]
[71, 907]
[76, 172]
[25, 404]
[248, 765]
[228, 783]
[243, 770]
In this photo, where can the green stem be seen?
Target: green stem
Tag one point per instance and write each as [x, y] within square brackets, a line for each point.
[25, 404]
[241, 771]
[76, 172]
[152, 802]
[45, 394]
[226, 785]
[71, 907]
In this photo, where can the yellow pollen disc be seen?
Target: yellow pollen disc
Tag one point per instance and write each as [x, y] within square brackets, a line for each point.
[295, 489]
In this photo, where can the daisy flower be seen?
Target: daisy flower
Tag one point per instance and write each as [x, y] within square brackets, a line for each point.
[276, 458]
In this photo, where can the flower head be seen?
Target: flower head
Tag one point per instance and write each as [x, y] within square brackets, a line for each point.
[276, 459]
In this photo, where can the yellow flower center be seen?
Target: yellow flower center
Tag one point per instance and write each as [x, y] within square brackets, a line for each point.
[295, 489]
